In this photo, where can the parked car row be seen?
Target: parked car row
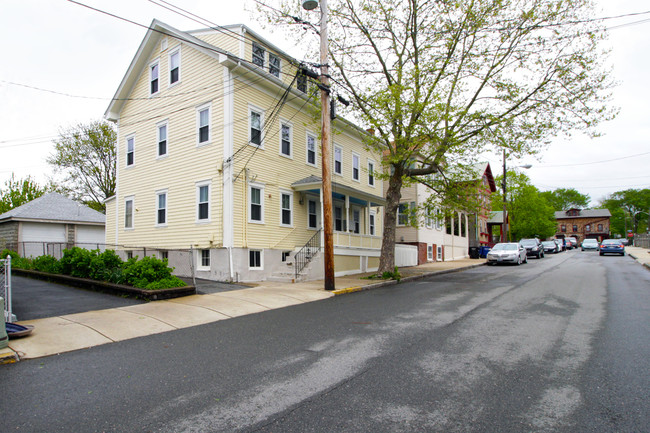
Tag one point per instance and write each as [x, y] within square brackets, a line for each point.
[518, 252]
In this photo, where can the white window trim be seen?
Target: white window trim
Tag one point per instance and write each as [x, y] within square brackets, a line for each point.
[151, 65]
[126, 155]
[397, 223]
[439, 253]
[198, 186]
[356, 157]
[264, 62]
[290, 125]
[268, 69]
[199, 259]
[251, 109]
[372, 226]
[307, 135]
[261, 188]
[429, 252]
[158, 126]
[290, 194]
[173, 51]
[374, 170]
[336, 146]
[163, 44]
[130, 198]
[158, 194]
[315, 213]
[200, 108]
[261, 266]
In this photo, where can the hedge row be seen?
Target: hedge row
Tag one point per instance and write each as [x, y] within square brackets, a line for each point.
[147, 273]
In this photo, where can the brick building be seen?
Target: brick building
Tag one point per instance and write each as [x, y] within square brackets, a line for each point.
[583, 224]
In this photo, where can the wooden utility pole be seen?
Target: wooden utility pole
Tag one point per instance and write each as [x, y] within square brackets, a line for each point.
[328, 232]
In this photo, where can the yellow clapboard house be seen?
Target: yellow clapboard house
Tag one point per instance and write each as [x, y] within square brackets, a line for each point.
[219, 152]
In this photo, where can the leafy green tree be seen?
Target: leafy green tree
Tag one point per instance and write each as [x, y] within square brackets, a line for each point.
[629, 209]
[566, 198]
[17, 192]
[87, 156]
[530, 214]
[443, 81]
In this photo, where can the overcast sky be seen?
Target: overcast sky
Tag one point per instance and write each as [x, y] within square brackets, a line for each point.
[62, 63]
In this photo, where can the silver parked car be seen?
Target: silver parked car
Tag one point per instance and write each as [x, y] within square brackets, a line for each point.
[590, 244]
[510, 252]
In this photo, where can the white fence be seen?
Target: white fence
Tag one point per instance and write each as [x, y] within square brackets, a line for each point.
[5, 283]
[406, 255]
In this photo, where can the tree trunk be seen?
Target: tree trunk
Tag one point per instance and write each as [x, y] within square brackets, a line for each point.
[393, 195]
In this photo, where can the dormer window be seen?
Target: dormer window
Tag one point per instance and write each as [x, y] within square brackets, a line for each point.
[258, 55]
[301, 83]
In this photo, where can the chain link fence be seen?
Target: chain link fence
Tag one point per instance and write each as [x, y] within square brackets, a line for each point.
[180, 260]
[642, 240]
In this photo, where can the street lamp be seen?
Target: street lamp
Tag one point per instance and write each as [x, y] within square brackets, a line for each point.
[504, 232]
[328, 236]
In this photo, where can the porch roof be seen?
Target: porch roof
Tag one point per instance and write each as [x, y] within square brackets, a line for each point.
[314, 183]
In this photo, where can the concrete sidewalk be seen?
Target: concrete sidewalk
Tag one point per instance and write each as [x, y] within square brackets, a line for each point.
[54, 335]
[641, 255]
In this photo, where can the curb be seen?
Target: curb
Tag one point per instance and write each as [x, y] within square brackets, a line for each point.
[8, 356]
[355, 289]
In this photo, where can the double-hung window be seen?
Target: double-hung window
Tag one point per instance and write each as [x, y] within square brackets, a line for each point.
[130, 151]
[312, 215]
[256, 125]
[175, 66]
[311, 149]
[128, 213]
[338, 160]
[203, 124]
[274, 65]
[371, 223]
[258, 54]
[339, 222]
[203, 202]
[371, 173]
[430, 253]
[600, 227]
[402, 214]
[256, 203]
[356, 221]
[161, 208]
[162, 139]
[301, 83]
[286, 202]
[286, 135]
[154, 72]
[355, 167]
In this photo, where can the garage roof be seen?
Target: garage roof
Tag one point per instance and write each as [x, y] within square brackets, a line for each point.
[54, 207]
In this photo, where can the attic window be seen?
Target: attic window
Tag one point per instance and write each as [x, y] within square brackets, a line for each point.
[258, 55]
[163, 44]
[153, 77]
[274, 65]
[301, 83]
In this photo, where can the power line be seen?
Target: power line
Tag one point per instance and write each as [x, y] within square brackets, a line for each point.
[596, 162]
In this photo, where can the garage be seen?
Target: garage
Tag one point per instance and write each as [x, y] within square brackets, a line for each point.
[41, 238]
[90, 237]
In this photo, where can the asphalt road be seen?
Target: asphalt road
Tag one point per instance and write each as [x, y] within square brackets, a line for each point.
[558, 345]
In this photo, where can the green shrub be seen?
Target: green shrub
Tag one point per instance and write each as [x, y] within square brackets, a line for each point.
[76, 262]
[106, 266]
[142, 272]
[16, 260]
[166, 283]
[46, 263]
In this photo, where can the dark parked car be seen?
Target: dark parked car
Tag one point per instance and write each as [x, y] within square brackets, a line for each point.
[550, 247]
[612, 246]
[510, 252]
[534, 247]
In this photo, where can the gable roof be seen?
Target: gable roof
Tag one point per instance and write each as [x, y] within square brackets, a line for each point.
[584, 213]
[57, 208]
[483, 168]
[157, 29]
